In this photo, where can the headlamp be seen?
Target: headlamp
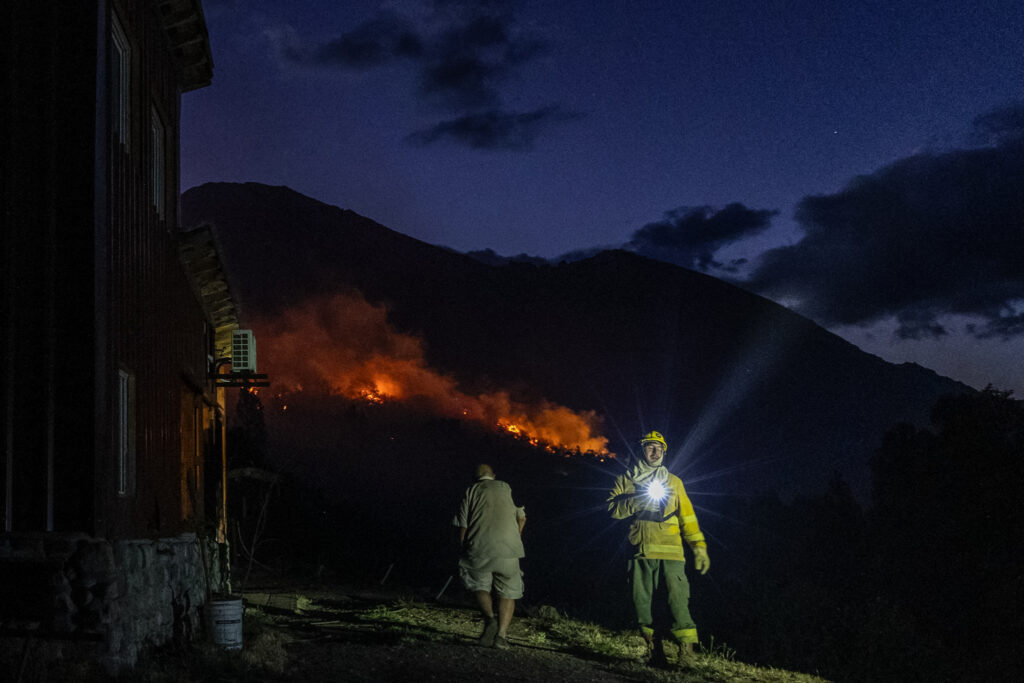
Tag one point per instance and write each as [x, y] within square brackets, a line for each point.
[656, 491]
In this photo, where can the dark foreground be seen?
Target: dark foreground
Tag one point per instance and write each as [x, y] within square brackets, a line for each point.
[347, 634]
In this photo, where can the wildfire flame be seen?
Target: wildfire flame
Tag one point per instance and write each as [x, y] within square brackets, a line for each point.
[372, 395]
[343, 345]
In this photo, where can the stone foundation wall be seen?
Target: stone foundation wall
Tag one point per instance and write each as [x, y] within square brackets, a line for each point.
[126, 595]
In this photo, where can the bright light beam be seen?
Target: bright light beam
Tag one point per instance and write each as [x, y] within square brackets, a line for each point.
[738, 467]
[656, 491]
[754, 362]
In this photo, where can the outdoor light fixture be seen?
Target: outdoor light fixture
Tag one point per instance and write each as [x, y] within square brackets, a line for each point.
[656, 491]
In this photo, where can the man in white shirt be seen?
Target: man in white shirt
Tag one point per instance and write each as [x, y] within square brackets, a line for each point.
[490, 529]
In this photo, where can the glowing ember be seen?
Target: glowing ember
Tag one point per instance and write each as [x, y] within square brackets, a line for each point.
[371, 396]
[385, 386]
[343, 345]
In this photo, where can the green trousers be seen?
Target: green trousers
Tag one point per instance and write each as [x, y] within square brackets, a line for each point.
[645, 576]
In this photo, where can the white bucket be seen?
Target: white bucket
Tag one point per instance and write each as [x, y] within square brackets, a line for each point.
[224, 618]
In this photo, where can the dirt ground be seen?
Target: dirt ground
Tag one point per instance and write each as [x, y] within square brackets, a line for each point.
[344, 634]
[341, 635]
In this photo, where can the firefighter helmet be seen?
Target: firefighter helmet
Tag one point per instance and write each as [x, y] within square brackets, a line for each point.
[653, 437]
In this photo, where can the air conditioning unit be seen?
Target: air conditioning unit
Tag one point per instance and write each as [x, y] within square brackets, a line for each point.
[243, 351]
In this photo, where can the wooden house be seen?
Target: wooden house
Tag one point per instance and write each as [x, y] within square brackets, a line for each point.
[111, 428]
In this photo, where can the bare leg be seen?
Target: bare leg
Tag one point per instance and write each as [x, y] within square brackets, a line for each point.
[505, 609]
[483, 601]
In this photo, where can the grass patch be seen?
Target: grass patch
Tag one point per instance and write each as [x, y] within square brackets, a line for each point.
[591, 638]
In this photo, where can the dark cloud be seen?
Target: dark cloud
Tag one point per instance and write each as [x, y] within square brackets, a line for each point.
[1010, 324]
[689, 236]
[468, 62]
[472, 50]
[494, 129]
[462, 82]
[382, 40]
[1001, 125]
[926, 236]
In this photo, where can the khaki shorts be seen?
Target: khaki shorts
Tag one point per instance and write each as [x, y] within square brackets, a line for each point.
[503, 575]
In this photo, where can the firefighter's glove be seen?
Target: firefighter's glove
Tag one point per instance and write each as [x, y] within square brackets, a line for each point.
[623, 501]
[700, 560]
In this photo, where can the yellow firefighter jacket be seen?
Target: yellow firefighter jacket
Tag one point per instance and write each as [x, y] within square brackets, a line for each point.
[657, 534]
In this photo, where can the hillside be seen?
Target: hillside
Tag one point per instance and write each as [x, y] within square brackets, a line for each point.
[753, 397]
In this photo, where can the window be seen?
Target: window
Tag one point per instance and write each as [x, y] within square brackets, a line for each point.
[120, 83]
[159, 162]
[126, 433]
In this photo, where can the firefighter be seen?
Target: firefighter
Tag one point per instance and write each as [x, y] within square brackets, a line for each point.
[662, 517]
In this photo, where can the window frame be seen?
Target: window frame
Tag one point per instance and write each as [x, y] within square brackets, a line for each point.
[158, 174]
[126, 432]
[120, 95]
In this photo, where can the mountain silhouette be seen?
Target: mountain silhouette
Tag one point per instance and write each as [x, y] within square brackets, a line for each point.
[752, 397]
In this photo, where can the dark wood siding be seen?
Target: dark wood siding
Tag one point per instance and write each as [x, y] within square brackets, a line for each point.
[92, 279]
[158, 328]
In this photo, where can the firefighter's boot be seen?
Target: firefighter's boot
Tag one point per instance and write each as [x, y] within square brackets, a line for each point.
[686, 659]
[655, 653]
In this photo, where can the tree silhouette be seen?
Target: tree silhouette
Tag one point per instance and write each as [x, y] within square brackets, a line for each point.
[947, 526]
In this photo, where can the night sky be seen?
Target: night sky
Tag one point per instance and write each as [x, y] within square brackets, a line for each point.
[860, 162]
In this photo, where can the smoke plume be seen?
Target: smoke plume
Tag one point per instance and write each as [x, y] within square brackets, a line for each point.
[344, 345]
